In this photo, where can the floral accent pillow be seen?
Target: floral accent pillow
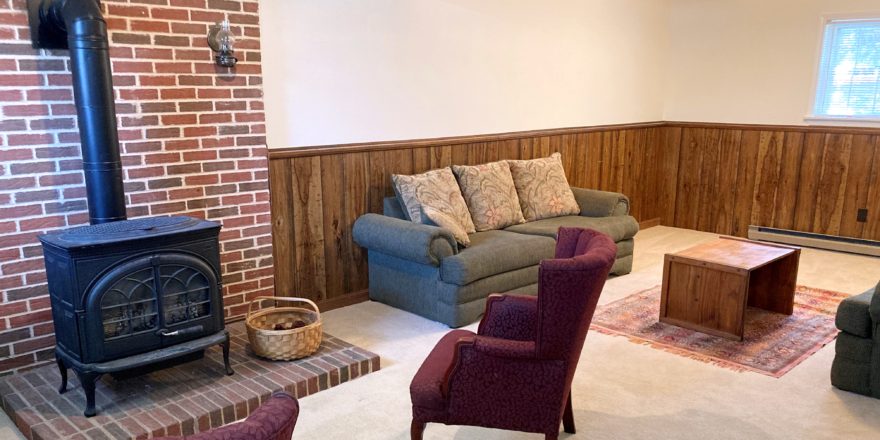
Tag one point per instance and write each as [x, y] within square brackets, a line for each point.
[436, 189]
[542, 188]
[490, 195]
[448, 222]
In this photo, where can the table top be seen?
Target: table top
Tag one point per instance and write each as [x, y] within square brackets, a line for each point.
[737, 252]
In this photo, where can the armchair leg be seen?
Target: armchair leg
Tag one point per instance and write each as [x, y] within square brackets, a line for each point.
[416, 430]
[568, 417]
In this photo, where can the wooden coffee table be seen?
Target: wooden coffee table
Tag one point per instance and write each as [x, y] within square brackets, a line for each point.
[709, 287]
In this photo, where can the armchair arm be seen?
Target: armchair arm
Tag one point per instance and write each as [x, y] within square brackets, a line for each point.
[404, 239]
[502, 379]
[481, 352]
[504, 348]
[510, 317]
[595, 203]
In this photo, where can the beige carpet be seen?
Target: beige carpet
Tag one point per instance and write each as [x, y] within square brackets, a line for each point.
[621, 390]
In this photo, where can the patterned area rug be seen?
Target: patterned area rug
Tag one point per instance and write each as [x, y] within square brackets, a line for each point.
[773, 345]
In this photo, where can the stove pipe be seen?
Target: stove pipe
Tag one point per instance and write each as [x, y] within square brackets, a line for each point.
[81, 23]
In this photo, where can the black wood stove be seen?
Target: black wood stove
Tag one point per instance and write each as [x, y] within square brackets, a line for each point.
[126, 295]
[133, 293]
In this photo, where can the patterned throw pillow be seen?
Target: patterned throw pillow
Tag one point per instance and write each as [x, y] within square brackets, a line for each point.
[542, 188]
[436, 189]
[490, 195]
[448, 222]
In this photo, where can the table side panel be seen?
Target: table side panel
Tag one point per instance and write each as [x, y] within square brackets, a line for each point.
[705, 297]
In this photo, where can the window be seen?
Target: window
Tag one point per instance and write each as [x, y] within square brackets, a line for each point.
[849, 71]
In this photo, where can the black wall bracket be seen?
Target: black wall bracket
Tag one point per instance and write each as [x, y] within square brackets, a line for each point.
[47, 30]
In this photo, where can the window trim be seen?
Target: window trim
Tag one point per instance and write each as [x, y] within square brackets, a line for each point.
[811, 117]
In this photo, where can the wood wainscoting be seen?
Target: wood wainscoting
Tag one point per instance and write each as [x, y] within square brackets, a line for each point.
[710, 177]
[318, 192]
[812, 179]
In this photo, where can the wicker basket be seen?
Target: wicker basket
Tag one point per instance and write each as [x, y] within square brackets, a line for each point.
[283, 345]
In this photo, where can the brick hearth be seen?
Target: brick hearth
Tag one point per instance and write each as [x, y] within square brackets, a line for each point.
[188, 398]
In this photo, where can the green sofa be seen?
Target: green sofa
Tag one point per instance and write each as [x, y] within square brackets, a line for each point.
[856, 365]
[421, 269]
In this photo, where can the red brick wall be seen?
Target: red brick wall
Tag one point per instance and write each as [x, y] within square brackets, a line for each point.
[192, 138]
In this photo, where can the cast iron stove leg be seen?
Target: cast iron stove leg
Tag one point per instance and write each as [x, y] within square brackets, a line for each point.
[88, 383]
[63, 370]
[225, 345]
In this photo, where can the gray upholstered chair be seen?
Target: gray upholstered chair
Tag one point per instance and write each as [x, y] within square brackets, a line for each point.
[856, 364]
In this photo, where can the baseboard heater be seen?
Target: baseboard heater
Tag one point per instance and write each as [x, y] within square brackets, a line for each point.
[813, 240]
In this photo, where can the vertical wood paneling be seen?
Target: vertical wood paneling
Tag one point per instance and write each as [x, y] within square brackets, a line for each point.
[378, 178]
[576, 168]
[723, 198]
[872, 227]
[745, 181]
[283, 250]
[768, 176]
[690, 166]
[308, 226]
[786, 201]
[860, 162]
[808, 181]
[509, 149]
[421, 158]
[832, 184]
[333, 210]
[802, 180]
[709, 177]
[460, 154]
[670, 148]
[356, 202]
[594, 159]
[634, 177]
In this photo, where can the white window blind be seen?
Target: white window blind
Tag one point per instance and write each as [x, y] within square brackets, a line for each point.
[849, 70]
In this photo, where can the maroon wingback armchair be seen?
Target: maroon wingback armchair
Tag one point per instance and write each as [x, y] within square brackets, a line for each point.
[516, 372]
[274, 420]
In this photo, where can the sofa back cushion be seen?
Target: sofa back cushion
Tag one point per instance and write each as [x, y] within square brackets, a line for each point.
[436, 189]
[542, 188]
[490, 195]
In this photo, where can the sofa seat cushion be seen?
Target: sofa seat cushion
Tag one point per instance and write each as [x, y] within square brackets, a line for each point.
[494, 252]
[853, 315]
[621, 227]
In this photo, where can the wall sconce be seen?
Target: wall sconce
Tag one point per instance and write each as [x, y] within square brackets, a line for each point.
[222, 41]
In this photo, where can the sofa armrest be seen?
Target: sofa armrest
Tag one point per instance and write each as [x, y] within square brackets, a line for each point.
[874, 308]
[595, 203]
[404, 239]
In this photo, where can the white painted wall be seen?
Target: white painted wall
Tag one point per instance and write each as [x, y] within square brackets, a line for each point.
[339, 71]
[746, 61]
